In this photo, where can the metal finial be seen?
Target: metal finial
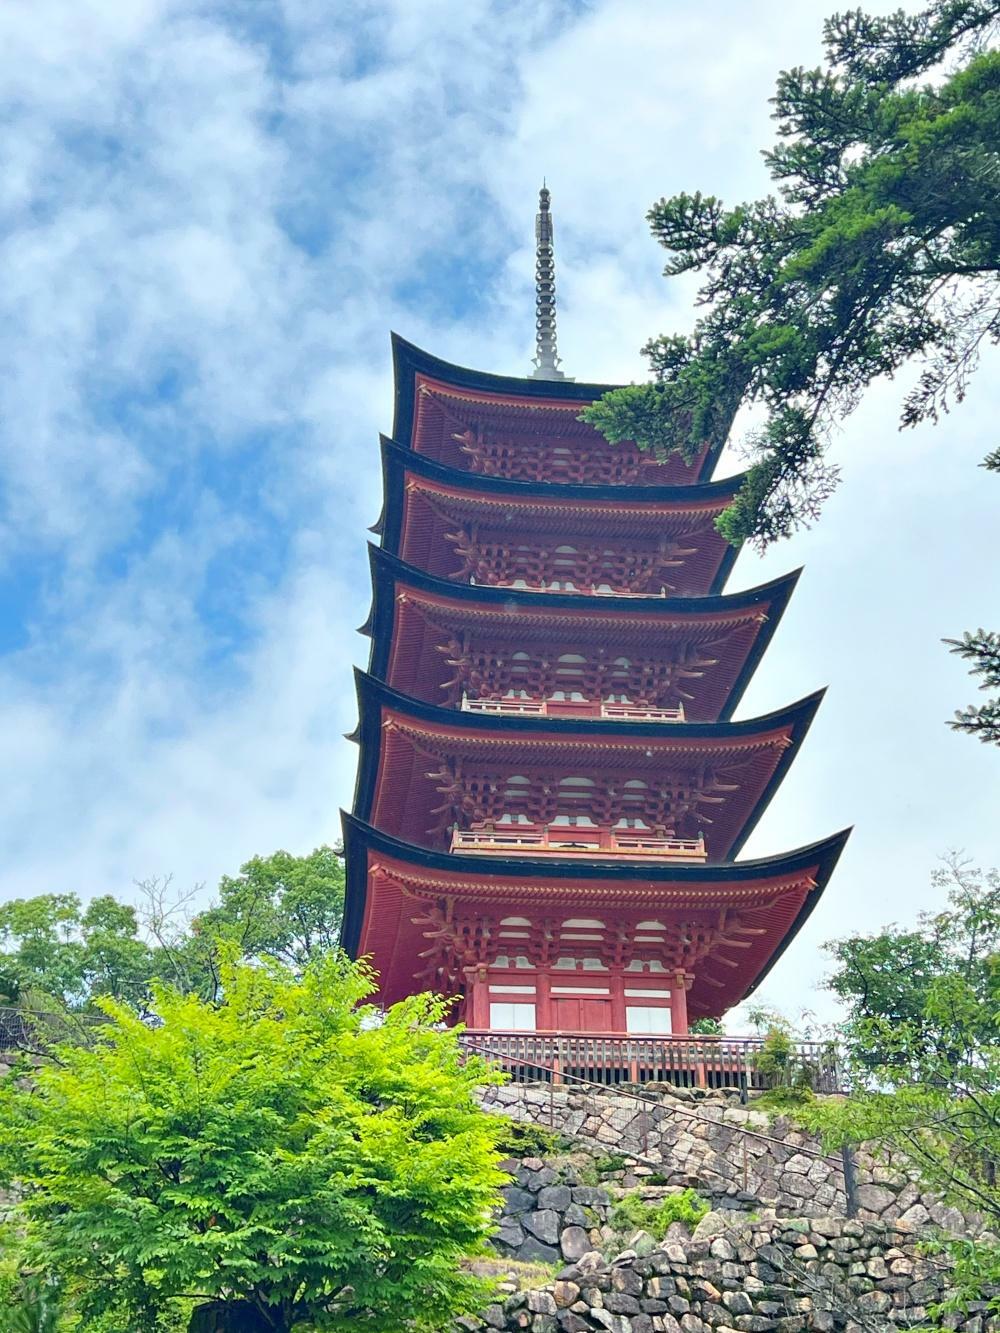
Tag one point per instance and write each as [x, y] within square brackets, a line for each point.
[546, 356]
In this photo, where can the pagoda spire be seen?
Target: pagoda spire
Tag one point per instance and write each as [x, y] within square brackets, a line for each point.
[546, 356]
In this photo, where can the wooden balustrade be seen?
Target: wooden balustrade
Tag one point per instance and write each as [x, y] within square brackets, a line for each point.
[512, 707]
[685, 1061]
[576, 841]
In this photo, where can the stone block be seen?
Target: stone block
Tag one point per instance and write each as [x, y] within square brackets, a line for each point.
[574, 1242]
[620, 1303]
[875, 1302]
[915, 1216]
[737, 1302]
[533, 1248]
[541, 1302]
[591, 1262]
[565, 1293]
[875, 1198]
[690, 1323]
[590, 1196]
[626, 1280]
[555, 1196]
[570, 1322]
[516, 1200]
[544, 1224]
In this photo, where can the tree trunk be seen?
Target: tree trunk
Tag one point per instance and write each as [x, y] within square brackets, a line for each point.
[229, 1317]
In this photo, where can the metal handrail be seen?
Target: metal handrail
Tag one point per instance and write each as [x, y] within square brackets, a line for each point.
[478, 1047]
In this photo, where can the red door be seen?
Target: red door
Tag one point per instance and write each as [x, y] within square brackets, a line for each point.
[577, 1013]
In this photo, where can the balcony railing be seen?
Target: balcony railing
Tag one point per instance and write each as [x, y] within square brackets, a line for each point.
[574, 841]
[568, 586]
[685, 1061]
[572, 708]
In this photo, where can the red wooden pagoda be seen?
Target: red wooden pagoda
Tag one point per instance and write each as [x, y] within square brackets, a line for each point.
[551, 790]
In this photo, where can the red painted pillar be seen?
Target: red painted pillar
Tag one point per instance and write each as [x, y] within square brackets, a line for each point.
[679, 1006]
[477, 1002]
[544, 1019]
[617, 985]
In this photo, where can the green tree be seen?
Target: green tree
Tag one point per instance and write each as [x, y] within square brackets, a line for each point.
[885, 980]
[982, 649]
[922, 1049]
[283, 1159]
[52, 950]
[283, 906]
[881, 248]
[291, 907]
[932, 1100]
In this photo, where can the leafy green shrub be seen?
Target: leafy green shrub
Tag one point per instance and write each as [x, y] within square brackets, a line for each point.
[780, 1063]
[280, 1151]
[706, 1027]
[521, 1138]
[35, 1307]
[612, 1162]
[785, 1098]
[633, 1214]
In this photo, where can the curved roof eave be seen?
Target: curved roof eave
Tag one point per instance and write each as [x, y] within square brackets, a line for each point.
[382, 695]
[397, 461]
[359, 835]
[374, 696]
[397, 456]
[388, 570]
[408, 360]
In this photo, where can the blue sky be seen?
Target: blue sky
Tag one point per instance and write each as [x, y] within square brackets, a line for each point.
[211, 215]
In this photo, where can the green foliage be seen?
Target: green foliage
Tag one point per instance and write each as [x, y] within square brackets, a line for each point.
[282, 906]
[881, 247]
[707, 1027]
[53, 947]
[923, 1050]
[35, 1308]
[633, 1214]
[522, 1138]
[284, 1148]
[290, 907]
[885, 980]
[780, 1063]
[609, 1163]
[784, 1099]
[56, 953]
[982, 649]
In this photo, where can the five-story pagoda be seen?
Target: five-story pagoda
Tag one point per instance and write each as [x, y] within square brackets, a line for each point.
[551, 790]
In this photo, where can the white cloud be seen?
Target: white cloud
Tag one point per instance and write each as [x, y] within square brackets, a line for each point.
[212, 217]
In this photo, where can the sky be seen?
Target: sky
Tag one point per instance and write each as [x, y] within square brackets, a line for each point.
[211, 216]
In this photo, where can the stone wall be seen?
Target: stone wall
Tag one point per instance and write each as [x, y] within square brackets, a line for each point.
[784, 1169]
[549, 1213]
[742, 1276]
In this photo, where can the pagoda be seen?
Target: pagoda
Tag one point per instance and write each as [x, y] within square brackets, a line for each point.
[552, 791]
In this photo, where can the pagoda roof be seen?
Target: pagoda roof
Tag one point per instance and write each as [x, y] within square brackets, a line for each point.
[387, 878]
[738, 625]
[644, 512]
[398, 734]
[552, 403]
